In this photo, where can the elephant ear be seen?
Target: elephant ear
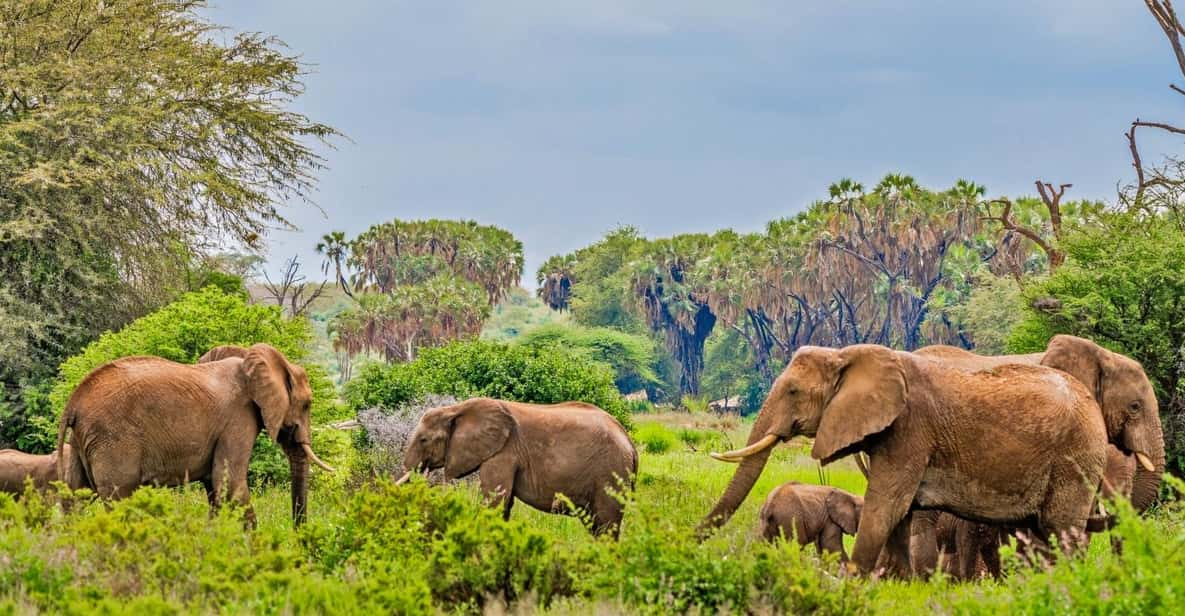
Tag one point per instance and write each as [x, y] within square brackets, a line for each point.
[269, 385]
[844, 509]
[1080, 358]
[480, 429]
[222, 352]
[869, 395]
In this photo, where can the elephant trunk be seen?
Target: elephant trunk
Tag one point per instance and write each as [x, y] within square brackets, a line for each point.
[1146, 483]
[298, 462]
[748, 470]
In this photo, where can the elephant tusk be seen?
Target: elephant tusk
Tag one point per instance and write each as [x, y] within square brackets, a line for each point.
[1145, 462]
[740, 454]
[402, 480]
[312, 456]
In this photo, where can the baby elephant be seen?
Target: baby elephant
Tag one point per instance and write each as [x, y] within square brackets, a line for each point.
[16, 466]
[812, 514]
[531, 452]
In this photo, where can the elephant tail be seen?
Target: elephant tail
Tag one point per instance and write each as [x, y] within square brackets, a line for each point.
[69, 462]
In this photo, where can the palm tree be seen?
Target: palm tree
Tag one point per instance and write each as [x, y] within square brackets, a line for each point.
[333, 246]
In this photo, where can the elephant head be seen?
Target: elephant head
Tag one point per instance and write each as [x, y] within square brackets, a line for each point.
[458, 438]
[281, 392]
[840, 397]
[844, 509]
[1128, 402]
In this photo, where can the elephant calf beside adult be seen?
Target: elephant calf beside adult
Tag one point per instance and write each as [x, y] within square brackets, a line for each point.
[149, 421]
[1020, 444]
[531, 452]
[811, 515]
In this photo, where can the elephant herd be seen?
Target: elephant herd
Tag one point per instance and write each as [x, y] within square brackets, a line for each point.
[958, 445]
[962, 450]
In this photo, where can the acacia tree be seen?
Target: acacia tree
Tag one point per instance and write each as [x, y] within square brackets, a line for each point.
[126, 129]
[423, 283]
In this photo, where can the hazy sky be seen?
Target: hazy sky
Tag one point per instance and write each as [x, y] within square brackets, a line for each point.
[561, 120]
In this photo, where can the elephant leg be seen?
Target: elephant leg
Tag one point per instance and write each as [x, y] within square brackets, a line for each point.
[606, 515]
[891, 488]
[924, 542]
[969, 545]
[831, 540]
[989, 550]
[497, 484]
[897, 549]
[115, 474]
[228, 480]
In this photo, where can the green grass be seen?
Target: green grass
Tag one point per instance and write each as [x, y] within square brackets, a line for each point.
[377, 548]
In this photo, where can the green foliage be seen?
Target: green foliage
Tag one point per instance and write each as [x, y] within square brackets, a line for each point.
[993, 309]
[633, 357]
[422, 283]
[113, 182]
[466, 369]
[415, 548]
[655, 438]
[1121, 287]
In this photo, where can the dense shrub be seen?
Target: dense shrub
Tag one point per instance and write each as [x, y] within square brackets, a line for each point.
[1121, 287]
[633, 357]
[479, 368]
[655, 438]
[385, 433]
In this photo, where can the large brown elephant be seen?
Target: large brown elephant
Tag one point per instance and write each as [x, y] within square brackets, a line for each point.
[1018, 444]
[531, 452]
[17, 466]
[1121, 388]
[812, 515]
[149, 421]
[1130, 413]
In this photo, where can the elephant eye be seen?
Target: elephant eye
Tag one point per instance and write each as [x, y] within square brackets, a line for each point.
[1134, 407]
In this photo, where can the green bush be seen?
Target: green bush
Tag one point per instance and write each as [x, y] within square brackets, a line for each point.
[654, 438]
[466, 369]
[1121, 286]
[633, 358]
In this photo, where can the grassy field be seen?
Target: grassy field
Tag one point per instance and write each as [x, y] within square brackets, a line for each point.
[371, 547]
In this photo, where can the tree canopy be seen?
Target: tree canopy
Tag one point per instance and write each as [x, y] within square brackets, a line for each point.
[421, 283]
[132, 133]
[892, 265]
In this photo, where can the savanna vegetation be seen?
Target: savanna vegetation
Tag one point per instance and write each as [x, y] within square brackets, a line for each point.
[138, 139]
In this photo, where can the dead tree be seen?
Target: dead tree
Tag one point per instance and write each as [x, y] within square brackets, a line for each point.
[292, 292]
[1166, 17]
[1052, 198]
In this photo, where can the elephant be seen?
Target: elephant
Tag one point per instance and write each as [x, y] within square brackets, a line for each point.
[530, 452]
[1121, 388]
[1020, 444]
[16, 466]
[149, 421]
[811, 514]
[972, 549]
[1130, 411]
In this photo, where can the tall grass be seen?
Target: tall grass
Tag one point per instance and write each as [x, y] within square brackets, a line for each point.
[378, 548]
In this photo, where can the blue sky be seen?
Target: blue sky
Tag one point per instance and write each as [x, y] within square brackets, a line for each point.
[562, 120]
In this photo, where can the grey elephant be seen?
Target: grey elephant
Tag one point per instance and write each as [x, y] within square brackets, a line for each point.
[17, 466]
[812, 515]
[148, 421]
[1019, 444]
[531, 452]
